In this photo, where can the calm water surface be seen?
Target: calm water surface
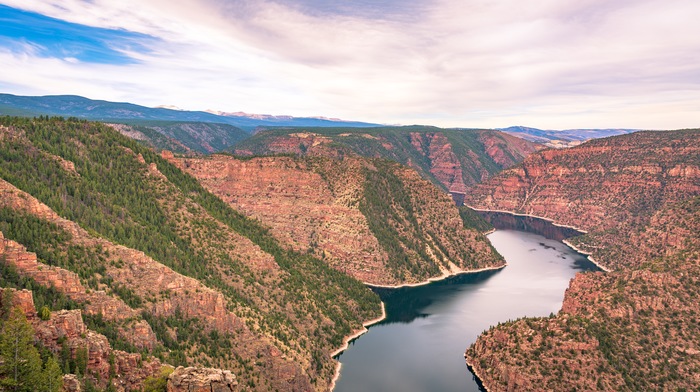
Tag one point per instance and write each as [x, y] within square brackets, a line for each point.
[420, 346]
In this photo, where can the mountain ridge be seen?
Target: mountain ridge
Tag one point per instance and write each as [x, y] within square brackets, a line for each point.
[78, 106]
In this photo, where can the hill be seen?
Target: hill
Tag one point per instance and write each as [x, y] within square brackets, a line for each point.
[160, 264]
[81, 107]
[634, 328]
[562, 138]
[452, 159]
[182, 137]
[95, 222]
[376, 220]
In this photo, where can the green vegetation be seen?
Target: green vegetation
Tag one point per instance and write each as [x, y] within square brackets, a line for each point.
[112, 194]
[158, 383]
[387, 205]
[472, 219]
[179, 136]
[21, 365]
[407, 145]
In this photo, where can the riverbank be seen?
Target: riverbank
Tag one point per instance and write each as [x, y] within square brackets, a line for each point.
[477, 376]
[437, 278]
[587, 254]
[365, 325]
[350, 338]
[531, 216]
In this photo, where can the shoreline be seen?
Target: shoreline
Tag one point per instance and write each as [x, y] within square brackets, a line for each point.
[587, 254]
[530, 216]
[350, 338]
[565, 241]
[366, 324]
[479, 379]
[435, 279]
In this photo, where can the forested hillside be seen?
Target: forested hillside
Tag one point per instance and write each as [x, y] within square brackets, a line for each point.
[161, 266]
[452, 159]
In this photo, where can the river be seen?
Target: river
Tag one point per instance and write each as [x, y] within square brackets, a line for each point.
[420, 345]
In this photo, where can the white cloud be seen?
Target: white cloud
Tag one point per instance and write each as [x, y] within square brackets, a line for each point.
[591, 63]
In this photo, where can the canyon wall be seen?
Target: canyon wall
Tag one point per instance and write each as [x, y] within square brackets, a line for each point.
[631, 329]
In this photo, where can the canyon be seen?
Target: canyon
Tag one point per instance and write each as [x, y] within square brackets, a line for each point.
[452, 159]
[254, 265]
[322, 205]
[634, 328]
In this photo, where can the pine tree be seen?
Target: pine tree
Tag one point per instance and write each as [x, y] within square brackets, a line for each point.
[52, 379]
[21, 364]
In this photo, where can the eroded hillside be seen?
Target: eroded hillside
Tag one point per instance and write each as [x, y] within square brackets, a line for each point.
[373, 219]
[605, 186]
[635, 328]
[452, 159]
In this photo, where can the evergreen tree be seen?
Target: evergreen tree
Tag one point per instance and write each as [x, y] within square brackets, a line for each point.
[52, 376]
[21, 364]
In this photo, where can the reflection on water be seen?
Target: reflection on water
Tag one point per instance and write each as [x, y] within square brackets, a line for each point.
[545, 228]
[421, 344]
[404, 304]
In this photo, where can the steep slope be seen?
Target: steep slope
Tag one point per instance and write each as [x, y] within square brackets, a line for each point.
[631, 329]
[452, 159]
[373, 219]
[200, 137]
[605, 186]
[105, 214]
[64, 333]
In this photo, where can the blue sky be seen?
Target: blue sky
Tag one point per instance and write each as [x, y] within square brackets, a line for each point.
[467, 63]
[60, 39]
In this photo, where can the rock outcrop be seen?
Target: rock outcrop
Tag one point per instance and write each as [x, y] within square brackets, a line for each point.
[201, 380]
[66, 328]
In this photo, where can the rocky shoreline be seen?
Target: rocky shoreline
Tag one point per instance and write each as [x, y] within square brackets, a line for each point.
[587, 254]
[365, 325]
[582, 231]
[477, 376]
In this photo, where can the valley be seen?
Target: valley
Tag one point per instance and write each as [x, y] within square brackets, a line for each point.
[258, 265]
[630, 329]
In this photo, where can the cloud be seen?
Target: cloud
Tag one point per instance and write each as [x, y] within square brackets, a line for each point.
[553, 64]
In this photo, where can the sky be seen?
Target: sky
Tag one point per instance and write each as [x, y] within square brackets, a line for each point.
[552, 64]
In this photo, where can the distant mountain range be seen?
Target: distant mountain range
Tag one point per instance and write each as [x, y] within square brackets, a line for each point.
[563, 138]
[195, 130]
[81, 107]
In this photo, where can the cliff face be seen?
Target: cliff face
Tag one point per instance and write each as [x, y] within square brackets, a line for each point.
[320, 205]
[156, 262]
[65, 328]
[605, 186]
[626, 330]
[452, 159]
[631, 329]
